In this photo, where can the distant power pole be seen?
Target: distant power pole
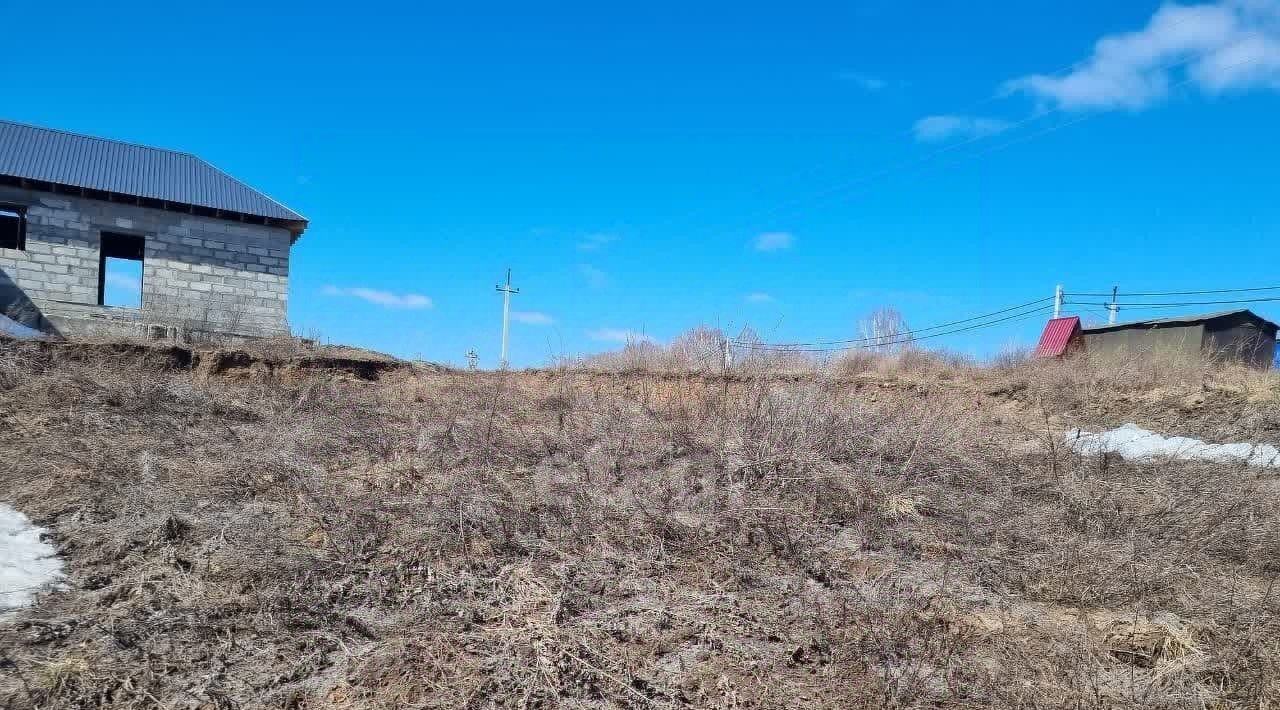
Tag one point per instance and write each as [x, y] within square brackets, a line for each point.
[506, 290]
[1057, 301]
[472, 360]
[1111, 310]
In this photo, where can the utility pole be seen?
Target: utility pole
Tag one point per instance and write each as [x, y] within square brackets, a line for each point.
[728, 355]
[1057, 301]
[506, 290]
[472, 360]
[1111, 310]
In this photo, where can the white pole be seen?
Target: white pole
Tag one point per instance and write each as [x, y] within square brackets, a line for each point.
[506, 324]
[1111, 310]
[506, 314]
[728, 355]
[1057, 301]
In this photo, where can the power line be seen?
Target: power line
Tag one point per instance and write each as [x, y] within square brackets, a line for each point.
[1017, 313]
[1183, 293]
[1066, 69]
[905, 339]
[929, 157]
[1182, 304]
[918, 330]
[1094, 311]
[1007, 144]
[909, 338]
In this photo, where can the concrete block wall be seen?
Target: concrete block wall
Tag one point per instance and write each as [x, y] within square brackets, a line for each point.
[198, 272]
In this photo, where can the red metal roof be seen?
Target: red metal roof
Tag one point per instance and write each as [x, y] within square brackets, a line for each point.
[1058, 333]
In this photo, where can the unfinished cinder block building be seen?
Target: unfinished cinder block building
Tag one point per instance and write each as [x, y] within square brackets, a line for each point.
[80, 215]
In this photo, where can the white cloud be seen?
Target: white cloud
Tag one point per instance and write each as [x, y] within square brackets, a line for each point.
[940, 128]
[386, 299]
[773, 241]
[123, 281]
[620, 335]
[759, 297]
[862, 81]
[1217, 47]
[596, 241]
[532, 318]
[595, 277]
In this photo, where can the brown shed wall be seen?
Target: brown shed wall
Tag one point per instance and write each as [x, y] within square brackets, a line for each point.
[1183, 340]
[1243, 342]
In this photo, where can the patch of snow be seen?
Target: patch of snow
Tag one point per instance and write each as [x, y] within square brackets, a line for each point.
[14, 329]
[1133, 442]
[27, 564]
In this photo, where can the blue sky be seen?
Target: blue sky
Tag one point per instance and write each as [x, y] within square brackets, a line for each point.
[652, 166]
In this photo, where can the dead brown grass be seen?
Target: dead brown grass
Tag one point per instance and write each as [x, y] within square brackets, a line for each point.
[913, 537]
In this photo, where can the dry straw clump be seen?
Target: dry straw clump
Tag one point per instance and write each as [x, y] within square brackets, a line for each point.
[296, 538]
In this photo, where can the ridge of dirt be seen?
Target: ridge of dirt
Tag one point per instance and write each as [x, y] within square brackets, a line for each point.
[225, 361]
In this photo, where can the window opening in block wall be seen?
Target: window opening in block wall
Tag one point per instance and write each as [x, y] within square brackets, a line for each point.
[13, 227]
[120, 270]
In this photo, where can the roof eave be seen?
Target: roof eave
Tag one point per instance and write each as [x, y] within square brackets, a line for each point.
[296, 228]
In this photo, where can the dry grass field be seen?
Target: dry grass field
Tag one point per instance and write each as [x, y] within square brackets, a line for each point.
[882, 533]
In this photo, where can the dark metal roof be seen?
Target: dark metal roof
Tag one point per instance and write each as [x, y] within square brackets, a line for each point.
[1057, 335]
[71, 159]
[1181, 320]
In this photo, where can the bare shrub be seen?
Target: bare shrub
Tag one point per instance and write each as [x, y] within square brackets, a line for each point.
[699, 348]
[637, 355]
[854, 362]
[1011, 355]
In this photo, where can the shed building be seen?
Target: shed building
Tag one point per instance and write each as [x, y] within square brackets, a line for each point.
[214, 252]
[1230, 336]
